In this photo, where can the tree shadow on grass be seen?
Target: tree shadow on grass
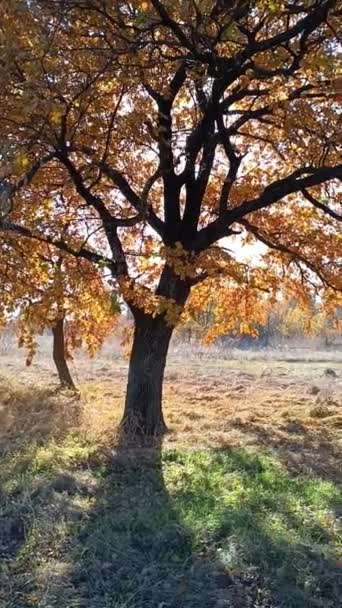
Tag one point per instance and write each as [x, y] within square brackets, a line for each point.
[146, 528]
[134, 550]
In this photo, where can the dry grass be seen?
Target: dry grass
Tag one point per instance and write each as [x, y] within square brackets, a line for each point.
[294, 409]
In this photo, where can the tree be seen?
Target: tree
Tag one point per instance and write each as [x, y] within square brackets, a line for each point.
[42, 290]
[166, 128]
[315, 320]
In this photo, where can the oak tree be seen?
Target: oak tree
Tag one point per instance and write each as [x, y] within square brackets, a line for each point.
[143, 135]
[43, 289]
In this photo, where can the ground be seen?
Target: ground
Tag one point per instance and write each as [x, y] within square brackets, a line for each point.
[240, 506]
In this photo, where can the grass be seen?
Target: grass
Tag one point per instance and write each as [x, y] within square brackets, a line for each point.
[202, 528]
[89, 522]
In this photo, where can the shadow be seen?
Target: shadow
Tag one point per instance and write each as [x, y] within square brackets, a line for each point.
[140, 527]
[116, 537]
[133, 550]
[271, 534]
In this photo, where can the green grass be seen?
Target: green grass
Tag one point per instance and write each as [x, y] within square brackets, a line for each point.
[214, 529]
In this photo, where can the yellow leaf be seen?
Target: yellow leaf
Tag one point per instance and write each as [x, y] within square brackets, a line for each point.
[23, 162]
[56, 115]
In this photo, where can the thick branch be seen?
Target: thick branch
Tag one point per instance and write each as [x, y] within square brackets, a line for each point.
[284, 187]
[10, 190]
[172, 184]
[234, 164]
[196, 187]
[173, 25]
[110, 224]
[138, 202]
[272, 193]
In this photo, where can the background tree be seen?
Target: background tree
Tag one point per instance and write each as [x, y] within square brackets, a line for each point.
[279, 316]
[41, 290]
[167, 128]
[297, 321]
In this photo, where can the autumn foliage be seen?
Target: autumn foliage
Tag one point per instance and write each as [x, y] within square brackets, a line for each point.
[142, 137]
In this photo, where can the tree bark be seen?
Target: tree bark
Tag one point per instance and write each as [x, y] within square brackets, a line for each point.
[143, 413]
[143, 407]
[59, 355]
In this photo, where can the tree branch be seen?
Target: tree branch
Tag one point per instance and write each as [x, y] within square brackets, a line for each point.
[272, 193]
[60, 244]
[321, 206]
[173, 25]
[138, 202]
[163, 131]
[284, 249]
[10, 190]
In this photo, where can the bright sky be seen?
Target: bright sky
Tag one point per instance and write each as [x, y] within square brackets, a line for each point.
[243, 253]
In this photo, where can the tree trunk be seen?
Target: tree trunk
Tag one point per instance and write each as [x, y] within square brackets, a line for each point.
[59, 355]
[143, 406]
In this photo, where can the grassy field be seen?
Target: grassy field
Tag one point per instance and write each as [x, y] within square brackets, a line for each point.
[239, 507]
